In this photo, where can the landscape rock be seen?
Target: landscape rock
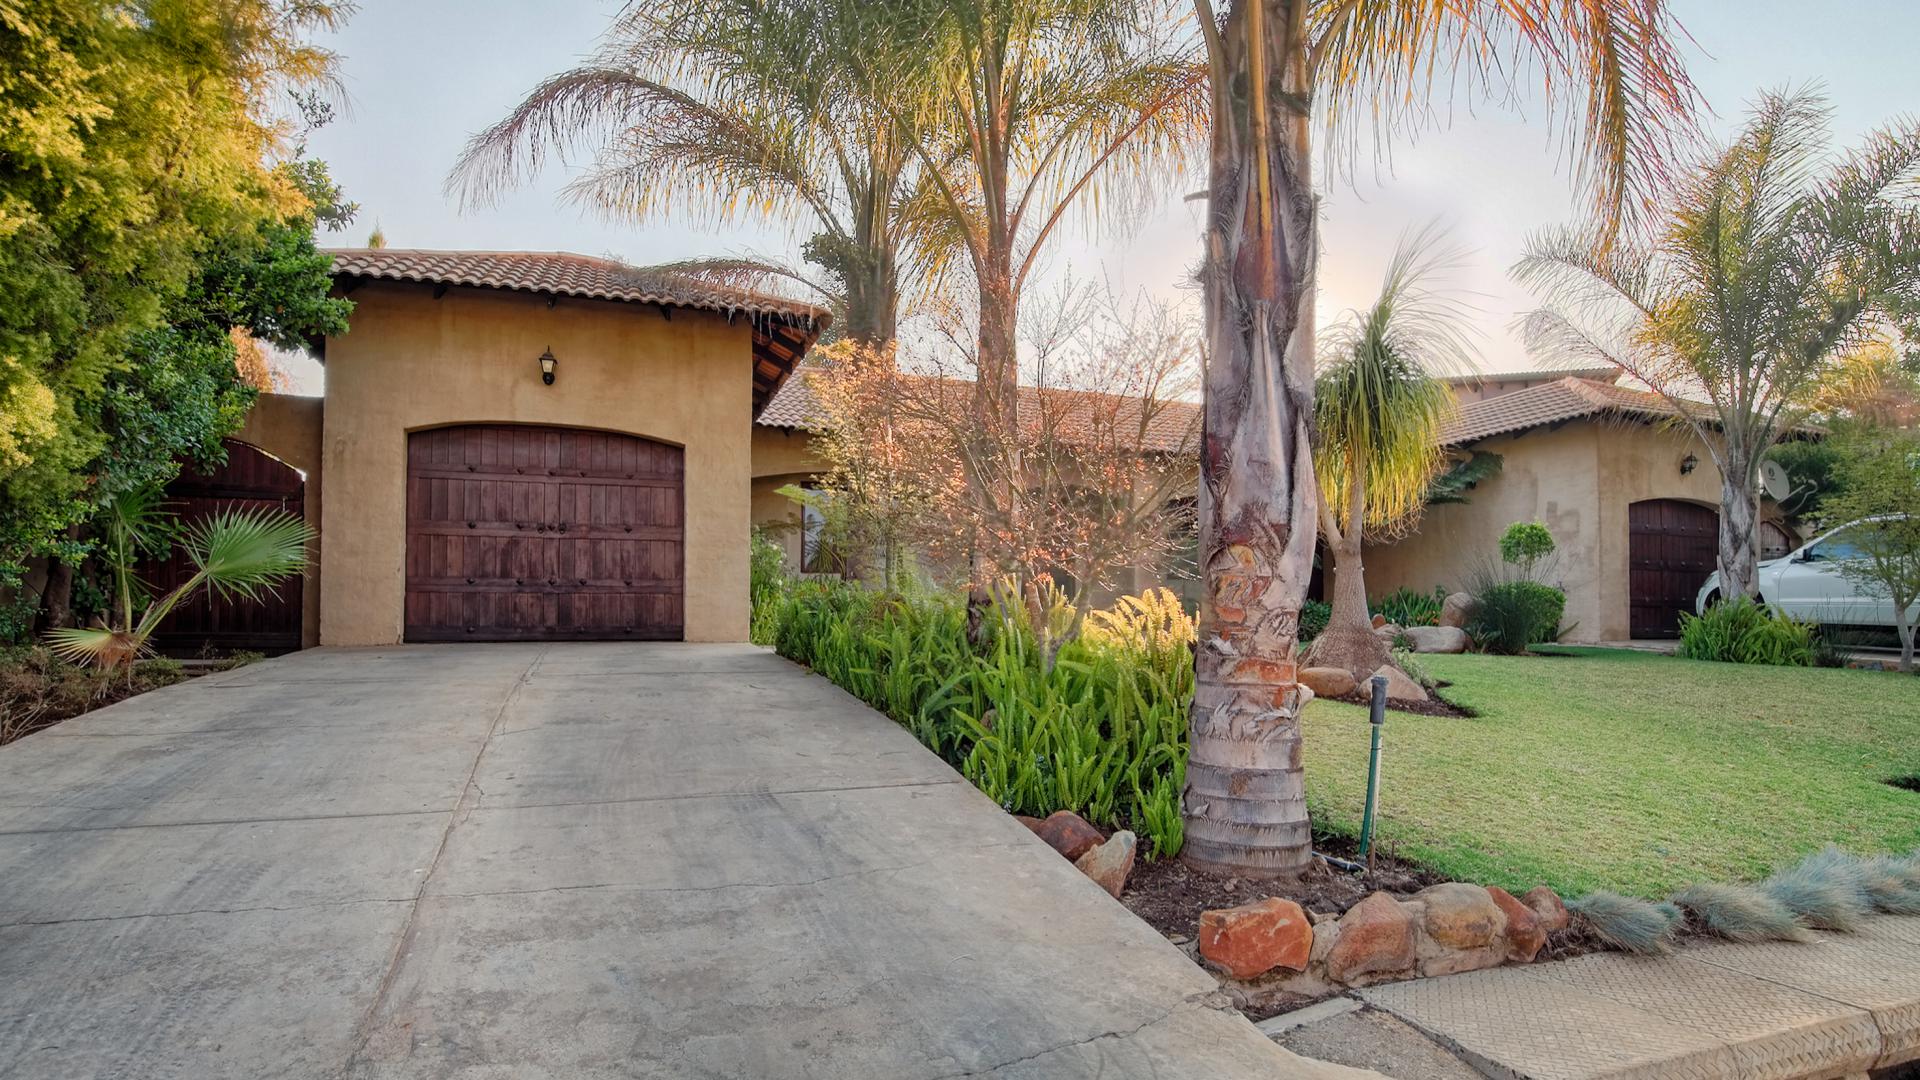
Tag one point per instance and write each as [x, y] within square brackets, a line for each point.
[1032, 823]
[1437, 639]
[1462, 916]
[1379, 621]
[1110, 863]
[1069, 834]
[1456, 609]
[1375, 938]
[1545, 903]
[1525, 935]
[1256, 938]
[1328, 682]
[1400, 686]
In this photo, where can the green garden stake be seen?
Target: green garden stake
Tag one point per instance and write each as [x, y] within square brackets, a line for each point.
[1378, 719]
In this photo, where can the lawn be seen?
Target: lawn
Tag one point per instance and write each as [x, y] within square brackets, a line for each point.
[1631, 771]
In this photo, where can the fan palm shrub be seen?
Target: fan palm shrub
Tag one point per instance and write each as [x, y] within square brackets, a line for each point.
[235, 553]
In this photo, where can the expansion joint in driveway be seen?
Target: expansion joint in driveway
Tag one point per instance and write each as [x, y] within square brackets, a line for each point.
[462, 809]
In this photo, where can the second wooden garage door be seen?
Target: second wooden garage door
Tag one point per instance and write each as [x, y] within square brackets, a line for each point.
[521, 533]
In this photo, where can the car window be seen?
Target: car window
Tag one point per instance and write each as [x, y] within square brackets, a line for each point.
[1837, 548]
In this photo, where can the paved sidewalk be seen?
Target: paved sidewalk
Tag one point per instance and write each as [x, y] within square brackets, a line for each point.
[1835, 1008]
[578, 862]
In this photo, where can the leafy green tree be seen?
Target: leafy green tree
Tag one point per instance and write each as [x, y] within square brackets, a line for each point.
[1773, 265]
[141, 219]
[1879, 487]
[1613, 73]
[1379, 411]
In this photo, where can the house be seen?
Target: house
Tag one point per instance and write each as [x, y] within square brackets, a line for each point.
[1631, 499]
[527, 446]
[543, 446]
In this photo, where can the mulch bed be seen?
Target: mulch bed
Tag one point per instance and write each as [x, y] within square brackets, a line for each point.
[1169, 896]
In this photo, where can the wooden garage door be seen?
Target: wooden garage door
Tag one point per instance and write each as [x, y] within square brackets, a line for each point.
[209, 623]
[521, 533]
[1671, 548]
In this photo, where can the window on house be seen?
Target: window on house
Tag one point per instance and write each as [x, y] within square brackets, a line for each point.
[816, 552]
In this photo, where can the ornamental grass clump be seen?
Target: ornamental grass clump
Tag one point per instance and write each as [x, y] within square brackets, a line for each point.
[1826, 889]
[1627, 923]
[1098, 729]
[1740, 631]
[1740, 913]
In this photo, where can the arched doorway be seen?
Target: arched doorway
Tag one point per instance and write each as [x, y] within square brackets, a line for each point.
[524, 533]
[208, 623]
[1671, 549]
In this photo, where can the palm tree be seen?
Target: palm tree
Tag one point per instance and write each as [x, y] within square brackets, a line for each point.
[1769, 272]
[236, 553]
[1610, 67]
[1379, 412]
[1021, 110]
[729, 106]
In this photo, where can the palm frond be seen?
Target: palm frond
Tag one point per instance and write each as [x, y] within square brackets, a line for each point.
[97, 646]
[1611, 68]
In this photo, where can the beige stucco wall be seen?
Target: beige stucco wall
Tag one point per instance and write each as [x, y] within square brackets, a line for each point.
[1579, 481]
[781, 456]
[1547, 476]
[289, 427]
[412, 362]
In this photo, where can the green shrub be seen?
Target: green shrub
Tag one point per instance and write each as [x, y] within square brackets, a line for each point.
[1509, 616]
[1102, 732]
[1405, 607]
[1314, 616]
[1524, 544]
[766, 579]
[1741, 631]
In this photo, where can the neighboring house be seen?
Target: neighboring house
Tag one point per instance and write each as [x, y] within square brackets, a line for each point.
[529, 446]
[1631, 499]
[782, 455]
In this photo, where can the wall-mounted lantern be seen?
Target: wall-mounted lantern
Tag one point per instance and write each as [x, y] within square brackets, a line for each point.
[1687, 464]
[547, 364]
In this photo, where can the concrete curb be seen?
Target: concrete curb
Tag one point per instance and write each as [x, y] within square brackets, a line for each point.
[1834, 1008]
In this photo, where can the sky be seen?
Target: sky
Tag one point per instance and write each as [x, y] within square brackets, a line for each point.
[423, 75]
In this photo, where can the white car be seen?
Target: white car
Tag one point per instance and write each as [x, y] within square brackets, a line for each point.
[1806, 583]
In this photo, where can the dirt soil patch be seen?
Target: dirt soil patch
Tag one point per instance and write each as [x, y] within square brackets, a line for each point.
[1434, 706]
[1170, 897]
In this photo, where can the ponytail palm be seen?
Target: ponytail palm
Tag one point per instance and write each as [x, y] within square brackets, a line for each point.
[1379, 412]
[237, 554]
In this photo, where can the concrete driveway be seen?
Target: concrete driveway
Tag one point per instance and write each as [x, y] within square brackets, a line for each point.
[570, 861]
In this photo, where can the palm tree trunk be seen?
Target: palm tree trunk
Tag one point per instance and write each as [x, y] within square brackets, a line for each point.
[1245, 804]
[1739, 513]
[1349, 641]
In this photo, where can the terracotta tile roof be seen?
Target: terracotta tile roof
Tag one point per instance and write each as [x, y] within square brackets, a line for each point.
[783, 329]
[564, 274]
[1175, 427]
[1570, 398]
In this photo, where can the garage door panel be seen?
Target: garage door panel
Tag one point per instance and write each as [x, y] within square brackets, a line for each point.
[522, 533]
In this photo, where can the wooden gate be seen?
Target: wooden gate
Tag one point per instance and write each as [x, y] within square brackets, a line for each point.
[521, 533]
[206, 623]
[1671, 549]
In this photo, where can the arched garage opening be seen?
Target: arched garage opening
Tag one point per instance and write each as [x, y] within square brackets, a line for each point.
[526, 533]
[208, 623]
[1671, 549]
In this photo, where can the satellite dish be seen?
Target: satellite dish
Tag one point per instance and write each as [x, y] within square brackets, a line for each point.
[1773, 481]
